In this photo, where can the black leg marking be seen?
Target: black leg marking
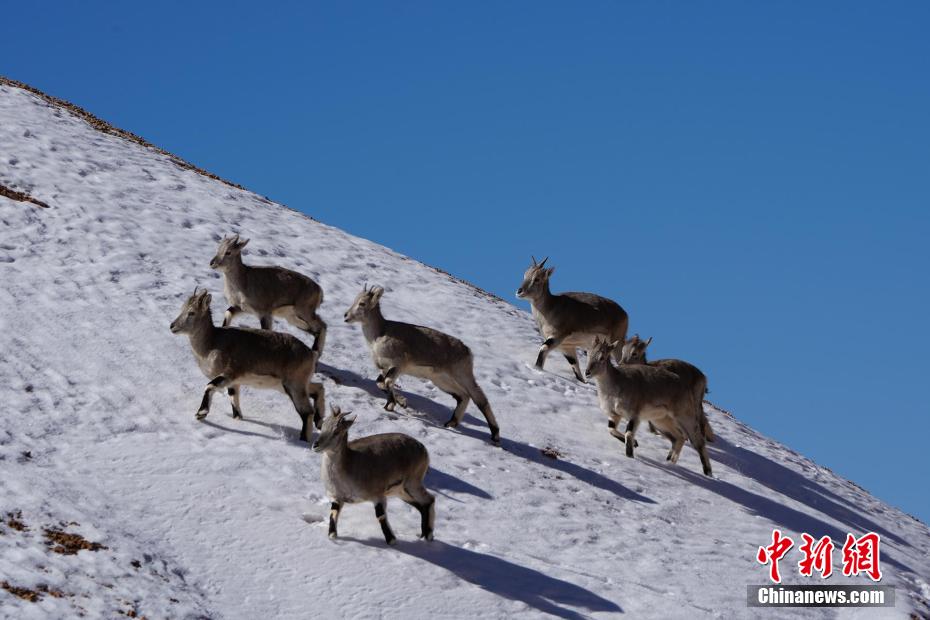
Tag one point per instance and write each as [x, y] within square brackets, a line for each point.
[334, 510]
[631, 430]
[389, 537]
[204, 404]
[237, 415]
[573, 361]
[216, 383]
[230, 314]
[266, 321]
[302, 405]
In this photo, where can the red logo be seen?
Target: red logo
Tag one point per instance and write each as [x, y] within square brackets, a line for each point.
[774, 552]
[819, 556]
[860, 555]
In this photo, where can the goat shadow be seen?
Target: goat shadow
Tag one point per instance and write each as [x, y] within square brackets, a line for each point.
[790, 483]
[288, 433]
[437, 412]
[506, 579]
[436, 479]
[785, 516]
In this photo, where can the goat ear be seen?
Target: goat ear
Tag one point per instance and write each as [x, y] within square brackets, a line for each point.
[336, 411]
[241, 244]
[347, 419]
[549, 271]
[615, 344]
[376, 293]
[205, 299]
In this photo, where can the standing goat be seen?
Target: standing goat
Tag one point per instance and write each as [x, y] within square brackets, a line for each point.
[371, 469]
[633, 351]
[232, 356]
[640, 392]
[267, 292]
[404, 349]
[569, 321]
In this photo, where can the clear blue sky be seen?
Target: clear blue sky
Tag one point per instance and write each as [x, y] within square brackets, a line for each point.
[750, 180]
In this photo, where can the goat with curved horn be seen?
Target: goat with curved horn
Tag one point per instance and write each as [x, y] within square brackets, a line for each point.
[401, 348]
[569, 321]
[267, 292]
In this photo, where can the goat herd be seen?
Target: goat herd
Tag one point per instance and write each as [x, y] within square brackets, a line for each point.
[668, 394]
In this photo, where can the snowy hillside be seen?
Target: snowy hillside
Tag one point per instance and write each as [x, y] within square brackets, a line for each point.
[227, 518]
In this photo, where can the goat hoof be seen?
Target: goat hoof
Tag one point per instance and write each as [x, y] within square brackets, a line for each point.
[200, 415]
[389, 406]
[332, 535]
[427, 537]
[451, 423]
[400, 400]
[392, 542]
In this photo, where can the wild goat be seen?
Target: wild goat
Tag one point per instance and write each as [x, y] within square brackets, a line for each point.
[404, 349]
[267, 292]
[371, 469]
[569, 321]
[640, 392]
[233, 356]
[633, 351]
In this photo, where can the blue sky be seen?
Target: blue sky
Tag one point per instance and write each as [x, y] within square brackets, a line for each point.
[749, 180]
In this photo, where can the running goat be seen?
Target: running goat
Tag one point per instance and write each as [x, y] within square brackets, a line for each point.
[633, 351]
[267, 292]
[234, 356]
[404, 349]
[639, 392]
[371, 469]
[569, 321]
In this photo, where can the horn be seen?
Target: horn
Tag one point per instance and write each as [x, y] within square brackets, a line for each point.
[534, 259]
[543, 263]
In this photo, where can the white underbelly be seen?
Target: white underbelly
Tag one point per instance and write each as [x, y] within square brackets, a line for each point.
[264, 382]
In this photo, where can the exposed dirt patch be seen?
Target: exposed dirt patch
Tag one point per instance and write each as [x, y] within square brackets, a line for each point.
[24, 593]
[44, 589]
[551, 452]
[33, 596]
[14, 521]
[12, 194]
[66, 543]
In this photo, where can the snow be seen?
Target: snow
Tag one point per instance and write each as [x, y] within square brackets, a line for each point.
[227, 519]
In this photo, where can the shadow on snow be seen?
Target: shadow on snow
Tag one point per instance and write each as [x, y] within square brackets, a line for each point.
[440, 414]
[506, 579]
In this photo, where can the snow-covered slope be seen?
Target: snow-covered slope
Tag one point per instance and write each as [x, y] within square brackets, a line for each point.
[226, 518]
